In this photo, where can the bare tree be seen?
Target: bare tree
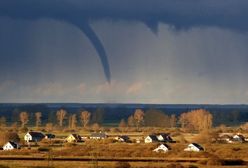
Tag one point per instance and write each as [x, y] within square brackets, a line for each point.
[61, 115]
[122, 125]
[49, 127]
[96, 127]
[138, 117]
[196, 120]
[38, 119]
[173, 120]
[24, 118]
[85, 118]
[130, 121]
[72, 121]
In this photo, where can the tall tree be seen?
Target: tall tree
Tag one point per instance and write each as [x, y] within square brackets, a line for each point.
[73, 121]
[85, 118]
[130, 121]
[173, 120]
[122, 125]
[61, 115]
[38, 119]
[23, 118]
[199, 119]
[138, 117]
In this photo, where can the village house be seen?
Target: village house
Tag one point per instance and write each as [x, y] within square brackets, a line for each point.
[11, 145]
[98, 135]
[163, 148]
[151, 139]
[49, 136]
[238, 138]
[73, 138]
[163, 137]
[194, 147]
[33, 136]
[122, 138]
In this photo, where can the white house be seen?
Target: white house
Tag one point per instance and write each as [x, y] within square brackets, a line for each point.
[151, 139]
[194, 147]
[122, 138]
[163, 137]
[238, 138]
[162, 148]
[33, 136]
[74, 138]
[11, 145]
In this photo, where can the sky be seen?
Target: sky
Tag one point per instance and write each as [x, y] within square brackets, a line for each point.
[149, 51]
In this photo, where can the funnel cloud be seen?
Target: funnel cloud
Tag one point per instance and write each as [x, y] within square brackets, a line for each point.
[179, 14]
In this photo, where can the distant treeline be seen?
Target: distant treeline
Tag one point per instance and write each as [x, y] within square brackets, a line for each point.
[106, 114]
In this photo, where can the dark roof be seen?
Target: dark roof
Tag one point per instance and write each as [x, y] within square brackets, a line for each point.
[166, 145]
[98, 134]
[50, 135]
[36, 134]
[13, 144]
[76, 136]
[165, 136]
[198, 146]
[125, 137]
[153, 137]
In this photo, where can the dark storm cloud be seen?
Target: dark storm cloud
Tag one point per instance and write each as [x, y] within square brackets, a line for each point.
[182, 14]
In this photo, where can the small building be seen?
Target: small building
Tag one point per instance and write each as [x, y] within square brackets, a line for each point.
[33, 136]
[98, 135]
[151, 139]
[49, 136]
[238, 138]
[11, 145]
[225, 138]
[122, 138]
[163, 137]
[163, 148]
[194, 147]
[74, 138]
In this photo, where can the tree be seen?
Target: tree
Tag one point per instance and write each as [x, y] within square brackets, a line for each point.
[156, 118]
[23, 118]
[95, 127]
[173, 120]
[138, 117]
[61, 115]
[6, 136]
[85, 118]
[49, 127]
[130, 121]
[38, 119]
[122, 125]
[198, 120]
[73, 121]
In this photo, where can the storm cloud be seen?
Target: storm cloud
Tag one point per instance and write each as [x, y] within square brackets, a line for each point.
[179, 14]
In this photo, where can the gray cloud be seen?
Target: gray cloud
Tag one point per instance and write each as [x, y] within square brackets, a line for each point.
[227, 14]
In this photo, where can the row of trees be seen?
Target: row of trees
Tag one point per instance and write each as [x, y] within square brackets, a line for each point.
[194, 120]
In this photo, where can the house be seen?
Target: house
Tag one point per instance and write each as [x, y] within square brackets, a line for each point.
[162, 148]
[194, 147]
[151, 139]
[163, 137]
[11, 145]
[99, 135]
[74, 138]
[226, 138]
[122, 138]
[238, 138]
[33, 136]
[49, 136]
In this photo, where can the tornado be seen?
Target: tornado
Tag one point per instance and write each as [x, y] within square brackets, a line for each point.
[96, 42]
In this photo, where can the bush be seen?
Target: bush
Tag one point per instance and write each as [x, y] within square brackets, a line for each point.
[174, 165]
[122, 165]
[214, 161]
